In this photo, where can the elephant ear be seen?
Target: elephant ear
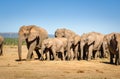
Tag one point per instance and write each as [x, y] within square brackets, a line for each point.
[50, 43]
[33, 33]
[110, 37]
[90, 41]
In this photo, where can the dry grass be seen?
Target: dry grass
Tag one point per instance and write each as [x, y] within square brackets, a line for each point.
[95, 69]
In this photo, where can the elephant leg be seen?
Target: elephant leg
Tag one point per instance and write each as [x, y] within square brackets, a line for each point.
[68, 55]
[38, 53]
[54, 54]
[1, 50]
[48, 55]
[81, 54]
[30, 51]
[90, 52]
[117, 59]
[71, 54]
[76, 53]
[63, 56]
[97, 54]
[111, 58]
[32, 56]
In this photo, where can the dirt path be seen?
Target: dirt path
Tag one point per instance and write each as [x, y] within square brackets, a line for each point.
[95, 69]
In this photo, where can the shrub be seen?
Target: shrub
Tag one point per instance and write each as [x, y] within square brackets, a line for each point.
[11, 41]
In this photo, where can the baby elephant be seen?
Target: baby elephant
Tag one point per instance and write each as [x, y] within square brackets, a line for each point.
[55, 45]
[1, 45]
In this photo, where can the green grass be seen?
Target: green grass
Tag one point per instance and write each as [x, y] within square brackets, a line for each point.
[11, 41]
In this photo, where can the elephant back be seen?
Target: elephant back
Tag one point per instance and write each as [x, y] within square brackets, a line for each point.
[42, 34]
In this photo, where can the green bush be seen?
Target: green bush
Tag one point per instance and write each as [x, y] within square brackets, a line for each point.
[11, 41]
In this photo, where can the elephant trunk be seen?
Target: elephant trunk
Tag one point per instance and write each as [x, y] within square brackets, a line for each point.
[19, 47]
[69, 49]
[42, 52]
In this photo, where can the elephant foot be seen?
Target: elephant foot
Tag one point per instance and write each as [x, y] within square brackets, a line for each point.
[41, 58]
[111, 63]
[1, 54]
[57, 59]
[117, 63]
[75, 59]
[88, 59]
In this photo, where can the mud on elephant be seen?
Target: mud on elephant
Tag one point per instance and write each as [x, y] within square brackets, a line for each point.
[55, 45]
[33, 35]
[1, 45]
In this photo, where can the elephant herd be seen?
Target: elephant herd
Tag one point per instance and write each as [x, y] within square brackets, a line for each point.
[67, 45]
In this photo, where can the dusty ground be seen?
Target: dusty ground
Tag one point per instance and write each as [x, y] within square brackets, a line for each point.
[95, 69]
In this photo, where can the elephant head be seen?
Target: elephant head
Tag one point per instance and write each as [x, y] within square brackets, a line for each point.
[46, 44]
[64, 33]
[60, 32]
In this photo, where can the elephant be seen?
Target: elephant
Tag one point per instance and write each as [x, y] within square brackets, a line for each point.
[33, 35]
[74, 47]
[69, 34]
[55, 45]
[112, 41]
[63, 32]
[90, 43]
[1, 45]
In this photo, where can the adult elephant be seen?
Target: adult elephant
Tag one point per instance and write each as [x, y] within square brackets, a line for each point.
[113, 43]
[90, 42]
[74, 47]
[1, 45]
[54, 45]
[33, 35]
[63, 32]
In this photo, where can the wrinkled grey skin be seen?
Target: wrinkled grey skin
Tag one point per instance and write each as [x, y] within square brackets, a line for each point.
[90, 42]
[33, 35]
[55, 45]
[70, 37]
[1, 45]
[113, 44]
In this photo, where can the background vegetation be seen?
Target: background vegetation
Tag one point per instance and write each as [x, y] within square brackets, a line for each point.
[11, 41]
[12, 38]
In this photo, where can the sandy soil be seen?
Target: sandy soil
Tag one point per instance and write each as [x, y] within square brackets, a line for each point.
[36, 69]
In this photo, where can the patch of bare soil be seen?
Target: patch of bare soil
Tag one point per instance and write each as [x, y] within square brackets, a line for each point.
[36, 69]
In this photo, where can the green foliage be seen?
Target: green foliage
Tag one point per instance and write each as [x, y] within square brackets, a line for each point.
[11, 41]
